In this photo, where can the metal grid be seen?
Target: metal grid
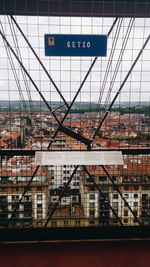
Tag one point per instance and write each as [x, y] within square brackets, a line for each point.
[78, 103]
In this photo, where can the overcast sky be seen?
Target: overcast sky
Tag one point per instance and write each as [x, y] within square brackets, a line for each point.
[68, 72]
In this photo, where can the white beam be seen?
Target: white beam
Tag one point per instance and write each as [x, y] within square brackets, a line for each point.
[57, 158]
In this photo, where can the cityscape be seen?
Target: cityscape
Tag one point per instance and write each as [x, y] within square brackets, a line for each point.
[92, 197]
[74, 133]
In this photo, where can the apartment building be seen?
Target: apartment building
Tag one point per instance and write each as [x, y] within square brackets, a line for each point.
[16, 173]
[60, 176]
[111, 202]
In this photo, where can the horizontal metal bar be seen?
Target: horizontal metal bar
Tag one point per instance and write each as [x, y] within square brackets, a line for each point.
[75, 233]
[21, 152]
[94, 8]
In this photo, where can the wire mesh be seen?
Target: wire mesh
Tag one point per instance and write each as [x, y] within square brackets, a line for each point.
[74, 103]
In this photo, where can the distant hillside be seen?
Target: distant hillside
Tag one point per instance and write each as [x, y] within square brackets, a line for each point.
[77, 107]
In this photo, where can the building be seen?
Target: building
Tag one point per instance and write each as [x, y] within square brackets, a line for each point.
[130, 188]
[15, 176]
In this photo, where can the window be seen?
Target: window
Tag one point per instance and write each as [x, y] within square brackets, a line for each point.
[144, 213]
[27, 198]
[91, 222]
[39, 197]
[104, 188]
[89, 178]
[115, 196]
[135, 212]
[125, 220]
[39, 207]
[39, 188]
[27, 215]
[75, 184]
[135, 204]
[28, 188]
[92, 196]
[126, 178]
[3, 189]
[92, 205]
[91, 213]
[65, 222]
[135, 195]
[26, 224]
[115, 220]
[139, 178]
[21, 207]
[126, 187]
[77, 222]
[74, 198]
[125, 213]
[15, 198]
[54, 199]
[66, 172]
[126, 195]
[92, 188]
[136, 187]
[145, 205]
[144, 196]
[115, 205]
[102, 178]
[114, 178]
[39, 215]
[53, 223]
[145, 187]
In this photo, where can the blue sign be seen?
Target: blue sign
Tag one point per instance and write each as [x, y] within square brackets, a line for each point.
[75, 45]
